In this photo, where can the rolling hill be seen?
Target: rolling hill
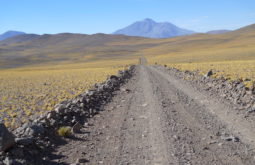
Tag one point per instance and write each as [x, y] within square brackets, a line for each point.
[64, 47]
[19, 39]
[151, 29]
[70, 48]
[218, 31]
[234, 45]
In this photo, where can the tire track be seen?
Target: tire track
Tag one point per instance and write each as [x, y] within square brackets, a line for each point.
[197, 130]
[162, 121]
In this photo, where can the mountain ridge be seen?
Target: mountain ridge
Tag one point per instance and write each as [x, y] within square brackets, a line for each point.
[79, 48]
[222, 31]
[151, 29]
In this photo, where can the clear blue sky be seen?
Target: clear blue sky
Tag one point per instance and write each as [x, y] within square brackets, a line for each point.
[92, 16]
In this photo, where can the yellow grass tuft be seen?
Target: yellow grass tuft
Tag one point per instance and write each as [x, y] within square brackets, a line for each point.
[64, 131]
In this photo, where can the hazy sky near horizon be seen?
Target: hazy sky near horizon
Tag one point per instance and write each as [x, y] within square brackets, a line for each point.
[106, 16]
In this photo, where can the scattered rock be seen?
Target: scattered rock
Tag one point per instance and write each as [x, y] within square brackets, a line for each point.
[212, 142]
[60, 108]
[34, 136]
[144, 105]
[206, 148]
[37, 129]
[113, 77]
[208, 74]
[76, 128]
[125, 90]
[51, 114]
[24, 141]
[8, 161]
[249, 92]
[6, 138]
[81, 160]
[230, 138]
[176, 137]
[252, 109]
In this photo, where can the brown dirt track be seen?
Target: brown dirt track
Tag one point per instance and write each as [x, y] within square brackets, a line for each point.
[158, 119]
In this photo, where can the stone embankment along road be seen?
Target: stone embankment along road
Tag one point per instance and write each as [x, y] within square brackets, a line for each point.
[34, 141]
[158, 119]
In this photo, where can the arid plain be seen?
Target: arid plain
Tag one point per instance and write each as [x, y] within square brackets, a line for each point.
[38, 71]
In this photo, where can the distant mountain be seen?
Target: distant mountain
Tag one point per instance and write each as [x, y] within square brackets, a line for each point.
[10, 34]
[151, 29]
[218, 31]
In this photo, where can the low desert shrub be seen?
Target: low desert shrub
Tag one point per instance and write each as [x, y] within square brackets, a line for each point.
[64, 131]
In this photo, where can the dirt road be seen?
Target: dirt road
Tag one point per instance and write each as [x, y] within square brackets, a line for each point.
[157, 119]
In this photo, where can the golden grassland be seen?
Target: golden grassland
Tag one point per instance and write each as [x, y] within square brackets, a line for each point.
[236, 69]
[233, 63]
[231, 55]
[231, 70]
[30, 91]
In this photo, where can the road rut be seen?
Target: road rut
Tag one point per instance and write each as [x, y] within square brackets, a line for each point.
[157, 119]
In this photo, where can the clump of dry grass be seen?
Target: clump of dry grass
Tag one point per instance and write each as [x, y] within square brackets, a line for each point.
[64, 131]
